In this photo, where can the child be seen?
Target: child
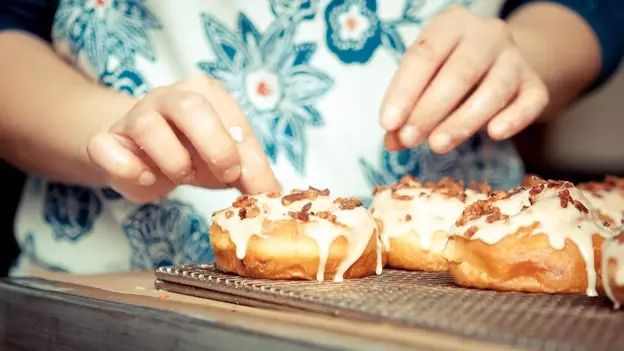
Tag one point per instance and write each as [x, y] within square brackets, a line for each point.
[162, 109]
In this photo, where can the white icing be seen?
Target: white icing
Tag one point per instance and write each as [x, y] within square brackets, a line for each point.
[608, 202]
[556, 222]
[431, 213]
[613, 249]
[356, 225]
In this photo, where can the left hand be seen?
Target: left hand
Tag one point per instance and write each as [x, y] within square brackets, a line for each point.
[463, 73]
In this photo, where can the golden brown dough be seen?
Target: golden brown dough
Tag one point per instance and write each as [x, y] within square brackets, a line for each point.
[303, 235]
[415, 218]
[544, 238]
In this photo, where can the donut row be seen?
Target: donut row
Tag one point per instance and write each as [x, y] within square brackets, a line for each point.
[543, 236]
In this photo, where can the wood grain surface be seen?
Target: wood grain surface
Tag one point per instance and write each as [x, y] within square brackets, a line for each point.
[125, 312]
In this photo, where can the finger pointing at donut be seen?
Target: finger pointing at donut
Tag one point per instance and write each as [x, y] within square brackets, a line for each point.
[191, 132]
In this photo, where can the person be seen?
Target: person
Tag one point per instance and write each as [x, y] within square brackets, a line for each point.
[138, 119]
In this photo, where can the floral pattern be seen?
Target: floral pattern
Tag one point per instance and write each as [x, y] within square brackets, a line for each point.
[355, 31]
[166, 233]
[272, 79]
[28, 250]
[295, 10]
[122, 78]
[479, 159]
[100, 29]
[71, 211]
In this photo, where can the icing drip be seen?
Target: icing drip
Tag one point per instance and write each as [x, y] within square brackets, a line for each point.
[355, 224]
[419, 210]
[555, 221]
[613, 249]
[608, 202]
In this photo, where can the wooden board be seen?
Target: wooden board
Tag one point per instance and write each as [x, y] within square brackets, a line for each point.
[124, 312]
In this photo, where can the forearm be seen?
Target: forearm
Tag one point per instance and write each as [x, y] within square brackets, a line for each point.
[560, 46]
[48, 111]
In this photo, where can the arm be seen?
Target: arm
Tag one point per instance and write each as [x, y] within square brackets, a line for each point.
[48, 110]
[572, 45]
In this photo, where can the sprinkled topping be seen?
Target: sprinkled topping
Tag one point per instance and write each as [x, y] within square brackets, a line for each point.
[298, 195]
[446, 186]
[348, 203]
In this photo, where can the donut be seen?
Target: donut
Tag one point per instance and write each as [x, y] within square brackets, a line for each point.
[613, 269]
[302, 235]
[607, 197]
[545, 238]
[414, 219]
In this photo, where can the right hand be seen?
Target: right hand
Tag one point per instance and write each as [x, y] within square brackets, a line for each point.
[182, 134]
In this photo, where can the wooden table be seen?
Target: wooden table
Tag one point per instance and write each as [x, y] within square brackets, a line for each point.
[125, 312]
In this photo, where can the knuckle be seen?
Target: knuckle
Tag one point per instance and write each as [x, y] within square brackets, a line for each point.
[189, 101]
[423, 50]
[144, 122]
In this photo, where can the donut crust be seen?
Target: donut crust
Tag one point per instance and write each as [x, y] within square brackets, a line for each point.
[406, 253]
[522, 261]
[285, 254]
[617, 291]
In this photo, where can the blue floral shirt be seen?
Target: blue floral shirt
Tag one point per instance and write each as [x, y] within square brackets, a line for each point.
[309, 75]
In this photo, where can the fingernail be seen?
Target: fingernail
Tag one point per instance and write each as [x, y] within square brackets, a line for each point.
[391, 117]
[236, 133]
[147, 178]
[231, 174]
[500, 129]
[409, 136]
[441, 141]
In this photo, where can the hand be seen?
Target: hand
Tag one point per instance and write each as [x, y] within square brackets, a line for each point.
[191, 132]
[464, 72]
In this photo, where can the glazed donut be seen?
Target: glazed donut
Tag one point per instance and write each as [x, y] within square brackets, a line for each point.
[414, 219]
[613, 269]
[546, 238]
[302, 235]
[607, 197]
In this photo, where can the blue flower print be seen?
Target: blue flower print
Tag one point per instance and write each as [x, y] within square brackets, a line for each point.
[28, 249]
[272, 79]
[70, 210]
[110, 194]
[104, 28]
[166, 233]
[295, 10]
[353, 29]
[123, 78]
[480, 159]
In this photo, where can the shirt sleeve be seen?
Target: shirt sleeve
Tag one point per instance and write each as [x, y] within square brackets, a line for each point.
[605, 17]
[33, 16]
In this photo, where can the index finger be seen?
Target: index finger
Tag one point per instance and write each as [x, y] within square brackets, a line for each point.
[256, 173]
[418, 66]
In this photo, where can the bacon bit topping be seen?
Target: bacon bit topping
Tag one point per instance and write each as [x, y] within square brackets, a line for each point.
[579, 206]
[565, 198]
[306, 207]
[408, 218]
[379, 188]
[470, 232]
[244, 201]
[620, 238]
[327, 215]
[273, 195]
[446, 186]
[348, 203]
[293, 197]
[531, 180]
[298, 195]
[400, 197]
[229, 213]
[249, 212]
[480, 188]
[479, 209]
[302, 216]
